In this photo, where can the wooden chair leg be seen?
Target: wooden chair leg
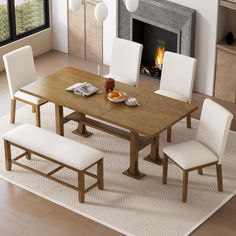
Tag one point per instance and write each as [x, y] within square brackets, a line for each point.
[169, 134]
[38, 118]
[185, 186]
[165, 169]
[7, 149]
[13, 111]
[189, 123]
[200, 171]
[33, 109]
[100, 174]
[81, 186]
[219, 177]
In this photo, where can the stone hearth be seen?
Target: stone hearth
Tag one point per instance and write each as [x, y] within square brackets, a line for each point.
[165, 15]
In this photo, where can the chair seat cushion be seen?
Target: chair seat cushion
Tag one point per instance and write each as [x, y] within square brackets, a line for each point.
[121, 79]
[29, 98]
[173, 95]
[190, 154]
[64, 150]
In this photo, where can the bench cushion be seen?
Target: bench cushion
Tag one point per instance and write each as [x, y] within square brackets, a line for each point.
[64, 150]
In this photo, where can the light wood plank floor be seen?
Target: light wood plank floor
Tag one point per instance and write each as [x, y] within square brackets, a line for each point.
[23, 213]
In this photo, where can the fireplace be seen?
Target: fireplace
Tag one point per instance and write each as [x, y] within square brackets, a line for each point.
[156, 41]
[160, 26]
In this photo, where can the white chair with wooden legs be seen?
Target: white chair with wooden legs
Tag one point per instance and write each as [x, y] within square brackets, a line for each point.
[20, 70]
[125, 61]
[206, 150]
[177, 80]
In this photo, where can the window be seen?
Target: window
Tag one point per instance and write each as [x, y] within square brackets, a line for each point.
[4, 22]
[20, 18]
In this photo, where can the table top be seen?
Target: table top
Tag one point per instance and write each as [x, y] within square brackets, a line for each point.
[155, 113]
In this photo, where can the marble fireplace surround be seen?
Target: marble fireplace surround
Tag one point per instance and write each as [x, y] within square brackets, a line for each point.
[163, 14]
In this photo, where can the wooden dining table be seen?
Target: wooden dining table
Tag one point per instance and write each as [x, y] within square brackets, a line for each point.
[140, 125]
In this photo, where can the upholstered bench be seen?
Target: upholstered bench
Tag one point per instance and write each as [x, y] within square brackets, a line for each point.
[63, 151]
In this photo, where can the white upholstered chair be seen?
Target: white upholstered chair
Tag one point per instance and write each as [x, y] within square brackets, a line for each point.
[125, 61]
[206, 150]
[20, 70]
[177, 79]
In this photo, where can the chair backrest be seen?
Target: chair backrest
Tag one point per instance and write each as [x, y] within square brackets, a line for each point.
[214, 127]
[178, 74]
[20, 68]
[126, 60]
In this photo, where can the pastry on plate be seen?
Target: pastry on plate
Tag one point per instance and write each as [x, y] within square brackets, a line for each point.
[117, 96]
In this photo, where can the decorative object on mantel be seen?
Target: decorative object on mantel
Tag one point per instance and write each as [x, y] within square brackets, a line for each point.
[229, 38]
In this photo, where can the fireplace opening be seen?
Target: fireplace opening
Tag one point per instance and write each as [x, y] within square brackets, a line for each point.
[155, 42]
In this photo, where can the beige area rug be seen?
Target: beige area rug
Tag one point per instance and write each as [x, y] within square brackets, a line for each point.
[143, 207]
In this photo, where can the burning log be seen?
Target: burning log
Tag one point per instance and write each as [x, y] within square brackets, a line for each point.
[153, 71]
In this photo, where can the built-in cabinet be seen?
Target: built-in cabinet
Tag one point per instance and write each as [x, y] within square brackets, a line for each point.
[225, 77]
[85, 33]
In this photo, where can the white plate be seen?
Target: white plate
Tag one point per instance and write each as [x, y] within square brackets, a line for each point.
[118, 100]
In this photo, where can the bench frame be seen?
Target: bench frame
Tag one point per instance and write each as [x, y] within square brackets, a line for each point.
[81, 173]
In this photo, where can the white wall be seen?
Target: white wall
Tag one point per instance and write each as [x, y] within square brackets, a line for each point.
[60, 25]
[205, 41]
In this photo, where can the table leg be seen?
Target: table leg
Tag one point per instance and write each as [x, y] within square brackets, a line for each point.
[59, 120]
[81, 129]
[133, 170]
[154, 156]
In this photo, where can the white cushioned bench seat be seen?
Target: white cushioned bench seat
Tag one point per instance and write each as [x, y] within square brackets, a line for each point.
[56, 147]
[63, 151]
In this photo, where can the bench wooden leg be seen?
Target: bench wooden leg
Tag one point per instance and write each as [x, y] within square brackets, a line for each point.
[100, 174]
[38, 119]
[7, 149]
[81, 185]
[13, 111]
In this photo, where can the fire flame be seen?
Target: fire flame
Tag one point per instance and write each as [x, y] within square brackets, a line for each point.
[159, 55]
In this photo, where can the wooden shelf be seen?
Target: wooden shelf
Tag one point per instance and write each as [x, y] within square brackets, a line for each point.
[230, 5]
[222, 45]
